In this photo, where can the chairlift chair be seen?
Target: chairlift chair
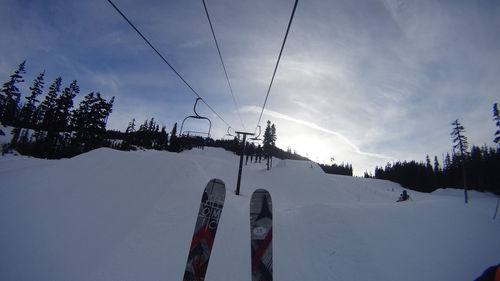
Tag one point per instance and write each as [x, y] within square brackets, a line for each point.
[228, 134]
[256, 138]
[196, 116]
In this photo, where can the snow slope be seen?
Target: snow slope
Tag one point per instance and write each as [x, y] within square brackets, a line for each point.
[111, 215]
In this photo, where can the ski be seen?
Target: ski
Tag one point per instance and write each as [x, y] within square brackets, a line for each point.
[204, 230]
[261, 232]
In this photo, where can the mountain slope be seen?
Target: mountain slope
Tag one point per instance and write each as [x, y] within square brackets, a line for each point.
[111, 215]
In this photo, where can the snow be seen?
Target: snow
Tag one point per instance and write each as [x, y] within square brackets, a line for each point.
[5, 137]
[112, 215]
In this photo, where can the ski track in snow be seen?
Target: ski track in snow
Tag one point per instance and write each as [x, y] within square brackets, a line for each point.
[111, 215]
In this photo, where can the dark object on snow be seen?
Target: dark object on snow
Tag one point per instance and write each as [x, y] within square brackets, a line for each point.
[490, 274]
[404, 196]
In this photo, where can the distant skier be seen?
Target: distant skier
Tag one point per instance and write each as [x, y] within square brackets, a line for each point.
[404, 196]
[250, 151]
[258, 154]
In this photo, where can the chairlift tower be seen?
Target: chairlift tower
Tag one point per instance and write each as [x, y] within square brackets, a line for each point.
[240, 169]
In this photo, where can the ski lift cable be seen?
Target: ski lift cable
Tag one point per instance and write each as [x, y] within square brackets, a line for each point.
[223, 65]
[278, 61]
[164, 60]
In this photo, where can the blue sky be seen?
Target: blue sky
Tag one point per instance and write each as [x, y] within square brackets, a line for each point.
[365, 82]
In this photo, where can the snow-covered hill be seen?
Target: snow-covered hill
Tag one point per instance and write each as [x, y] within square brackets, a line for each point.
[111, 215]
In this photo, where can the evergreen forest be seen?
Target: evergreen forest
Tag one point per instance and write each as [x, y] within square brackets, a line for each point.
[47, 122]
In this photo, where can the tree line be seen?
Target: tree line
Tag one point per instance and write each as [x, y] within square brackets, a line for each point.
[338, 169]
[148, 135]
[474, 169]
[51, 127]
[47, 124]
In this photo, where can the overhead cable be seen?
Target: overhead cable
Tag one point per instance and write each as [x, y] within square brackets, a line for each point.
[278, 61]
[164, 60]
[223, 65]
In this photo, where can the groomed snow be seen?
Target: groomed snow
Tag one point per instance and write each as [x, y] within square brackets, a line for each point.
[111, 215]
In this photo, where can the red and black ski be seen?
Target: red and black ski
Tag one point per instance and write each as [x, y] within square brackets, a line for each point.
[204, 230]
[261, 232]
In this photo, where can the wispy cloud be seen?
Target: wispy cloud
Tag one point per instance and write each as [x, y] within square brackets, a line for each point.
[316, 127]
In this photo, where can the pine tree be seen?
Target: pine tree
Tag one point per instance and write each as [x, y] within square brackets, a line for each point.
[81, 120]
[460, 145]
[64, 103]
[131, 126]
[152, 125]
[28, 116]
[437, 173]
[109, 108]
[89, 120]
[129, 136]
[269, 142]
[437, 169]
[447, 162]
[428, 162]
[103, 110]
[10, 96]
[162, 140]
[47, 108]
[174, 142]
[269, 137]
[496, 118]
[273, 134]
[143, 126]
[174, 130]
[46, 141]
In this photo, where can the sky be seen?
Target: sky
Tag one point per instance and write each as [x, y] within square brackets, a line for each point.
[364, 82]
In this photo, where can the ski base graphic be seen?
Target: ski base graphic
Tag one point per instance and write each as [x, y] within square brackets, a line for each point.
[205, 229]
[261, 232]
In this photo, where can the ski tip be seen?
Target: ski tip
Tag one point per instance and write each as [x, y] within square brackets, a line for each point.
[216, 186]
[261, 203]
[261, 191]
[217, 181]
